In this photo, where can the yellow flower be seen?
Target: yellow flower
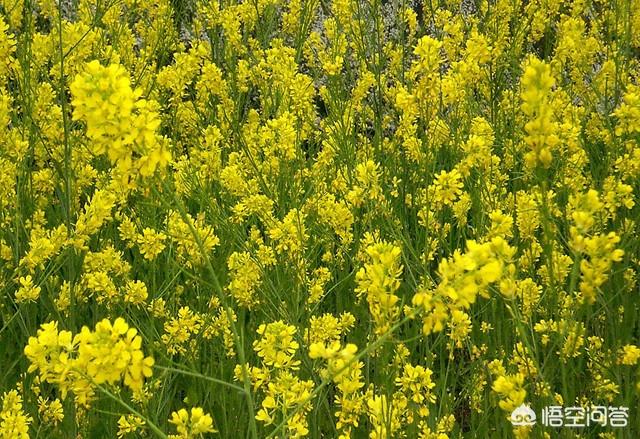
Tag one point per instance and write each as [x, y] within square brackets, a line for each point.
[628, 113]
[509, 388]
[417, 385]
[191, 426]
[103, 98]
[118, 121]
[107, 355]
[51, 411]
[112, 352]
[135, 292]
[290, 234]
[378, 280]
[462, 278]
[447, 187]
[151, 243]
[14, 423]
[541, 129]
[245, 278]
[629, 355]
[7, 47]
[96, 212]
[129, 424]
[178, 331]
[276, 346]
[428, 51]
[27, 292]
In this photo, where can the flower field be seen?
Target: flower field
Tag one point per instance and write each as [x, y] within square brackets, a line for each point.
[319, 218]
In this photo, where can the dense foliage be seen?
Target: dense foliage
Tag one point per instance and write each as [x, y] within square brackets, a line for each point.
[307, 218]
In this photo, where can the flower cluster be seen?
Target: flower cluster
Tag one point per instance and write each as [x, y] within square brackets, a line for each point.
[119, 122]
[14, 423]
[464, 277]
[378, 280]
[287, 398]
[109, 354]
[323, 218]
[191, 425]
[537, 82]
